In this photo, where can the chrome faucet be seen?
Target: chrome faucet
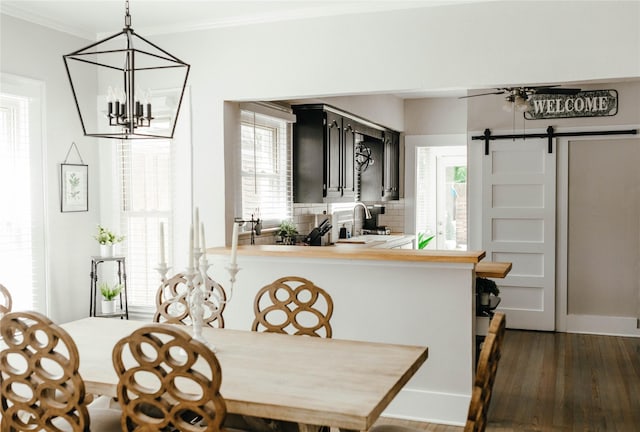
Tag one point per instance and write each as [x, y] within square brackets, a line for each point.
[367, 213]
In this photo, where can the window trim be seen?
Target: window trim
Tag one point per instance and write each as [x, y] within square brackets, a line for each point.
[278, 114]
[35, 92]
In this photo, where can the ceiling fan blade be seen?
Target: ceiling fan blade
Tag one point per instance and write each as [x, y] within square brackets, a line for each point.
[483, 94]
[559, 90]
[541, 87]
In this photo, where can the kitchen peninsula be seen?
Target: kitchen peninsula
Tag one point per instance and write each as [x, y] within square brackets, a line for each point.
[403, 296]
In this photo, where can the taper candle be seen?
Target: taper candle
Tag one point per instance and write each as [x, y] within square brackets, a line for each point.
[196, 223]
[162, 258]
[202, 245]
[191, 247]
[234, 244]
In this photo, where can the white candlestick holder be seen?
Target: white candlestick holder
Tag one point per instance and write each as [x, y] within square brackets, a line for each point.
[197, 253]
[196, 275]
[233, 270]
[196, 306]
[162, 269]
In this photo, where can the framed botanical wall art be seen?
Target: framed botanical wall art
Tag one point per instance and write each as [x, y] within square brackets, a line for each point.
[74, 191]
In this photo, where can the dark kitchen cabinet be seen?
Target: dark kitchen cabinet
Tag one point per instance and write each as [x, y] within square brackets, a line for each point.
[381, 179]
[340, 173]
[323, 158]
[371, 154]
[349, 175]
[391, 173]
[325, 169]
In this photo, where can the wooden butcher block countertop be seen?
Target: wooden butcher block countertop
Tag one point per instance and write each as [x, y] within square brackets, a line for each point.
[493, 269]
[338, 252]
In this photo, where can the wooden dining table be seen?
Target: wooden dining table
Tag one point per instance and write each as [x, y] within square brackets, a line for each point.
[312, 381]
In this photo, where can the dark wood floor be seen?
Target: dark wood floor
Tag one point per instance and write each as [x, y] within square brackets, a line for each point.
[562, 382]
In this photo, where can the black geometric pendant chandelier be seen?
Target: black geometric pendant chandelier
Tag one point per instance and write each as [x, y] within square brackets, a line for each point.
[141, 86]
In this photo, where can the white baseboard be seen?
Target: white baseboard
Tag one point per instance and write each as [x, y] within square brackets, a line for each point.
[431, 407]
[603, 325]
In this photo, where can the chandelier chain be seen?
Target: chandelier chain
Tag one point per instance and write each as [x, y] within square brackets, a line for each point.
[127, 16]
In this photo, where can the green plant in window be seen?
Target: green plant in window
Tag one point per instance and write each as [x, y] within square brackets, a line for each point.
[424, 239]
[460, 174]
[287, 231]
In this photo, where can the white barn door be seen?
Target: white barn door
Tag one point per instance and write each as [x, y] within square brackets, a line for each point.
[519, 219]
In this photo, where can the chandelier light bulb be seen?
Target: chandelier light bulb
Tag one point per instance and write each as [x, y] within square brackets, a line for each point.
[120, 95]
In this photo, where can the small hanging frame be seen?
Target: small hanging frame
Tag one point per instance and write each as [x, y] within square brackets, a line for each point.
[74, 184]
[71, 147]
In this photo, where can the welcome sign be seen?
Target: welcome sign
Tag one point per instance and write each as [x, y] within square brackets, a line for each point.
[595, 103]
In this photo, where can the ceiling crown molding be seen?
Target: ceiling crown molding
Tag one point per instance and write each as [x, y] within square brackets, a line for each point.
[205, 18]
[26, 15]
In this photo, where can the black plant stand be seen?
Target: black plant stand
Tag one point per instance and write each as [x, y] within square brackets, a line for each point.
[122, 279]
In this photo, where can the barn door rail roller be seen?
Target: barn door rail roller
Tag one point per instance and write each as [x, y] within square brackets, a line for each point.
[550, 135]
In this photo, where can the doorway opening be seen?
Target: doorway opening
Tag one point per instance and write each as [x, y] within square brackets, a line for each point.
[441, 196]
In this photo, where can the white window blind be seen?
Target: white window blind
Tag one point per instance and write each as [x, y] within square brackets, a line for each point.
[145, 201]
[265, 167]
[425, 190]
[22, 247]
[153, 182]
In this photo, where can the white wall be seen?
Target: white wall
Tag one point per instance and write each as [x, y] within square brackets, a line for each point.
[458, 46]
[486, 111]
[35, 52]
[435, 116]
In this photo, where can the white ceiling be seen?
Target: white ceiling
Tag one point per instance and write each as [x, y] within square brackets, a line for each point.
[93, 19]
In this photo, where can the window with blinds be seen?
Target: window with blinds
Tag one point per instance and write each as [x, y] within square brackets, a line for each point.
[265, 167]
[22, 248]
[145, 202]
[153, 183]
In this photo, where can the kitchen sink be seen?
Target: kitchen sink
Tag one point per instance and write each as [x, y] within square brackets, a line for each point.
[370, 238]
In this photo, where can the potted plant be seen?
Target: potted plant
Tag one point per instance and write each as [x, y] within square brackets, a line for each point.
[484, 288]
[287, 232]
[106, 238]
[109, 294]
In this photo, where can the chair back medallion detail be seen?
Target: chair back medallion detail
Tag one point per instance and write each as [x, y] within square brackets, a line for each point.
[293, 305]
[168, 381]
[5, 300]
[172, 302]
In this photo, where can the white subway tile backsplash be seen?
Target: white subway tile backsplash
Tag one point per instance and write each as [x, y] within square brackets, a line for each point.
[306, 216]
